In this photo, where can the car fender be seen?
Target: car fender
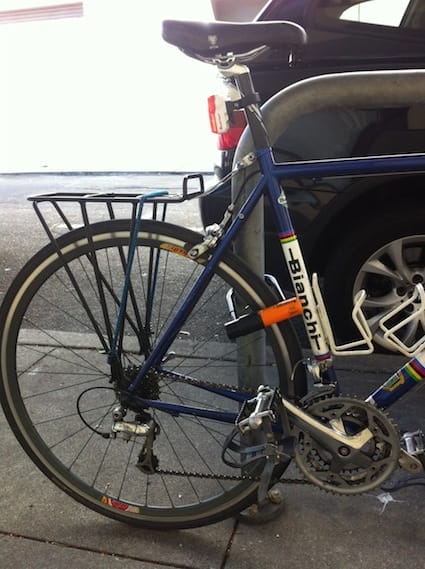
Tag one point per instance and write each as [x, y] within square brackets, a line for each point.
[369, 90]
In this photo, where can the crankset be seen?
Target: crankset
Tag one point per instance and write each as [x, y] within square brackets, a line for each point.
[338, 467]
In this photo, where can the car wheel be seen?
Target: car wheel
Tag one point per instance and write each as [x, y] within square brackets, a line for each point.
[385, 256]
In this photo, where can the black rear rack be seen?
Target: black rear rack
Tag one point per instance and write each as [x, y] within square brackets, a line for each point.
[124, 197]
[60, 212]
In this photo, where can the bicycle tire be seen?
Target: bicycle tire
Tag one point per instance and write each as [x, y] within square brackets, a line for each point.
[55, 388]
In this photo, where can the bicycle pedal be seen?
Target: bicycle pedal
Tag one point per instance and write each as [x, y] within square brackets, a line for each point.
[414, 442]
[262, 409]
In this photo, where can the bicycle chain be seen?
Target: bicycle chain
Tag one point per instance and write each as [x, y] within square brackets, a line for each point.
[226, 476]
[203, 383]
[205, 475]
[298, 481]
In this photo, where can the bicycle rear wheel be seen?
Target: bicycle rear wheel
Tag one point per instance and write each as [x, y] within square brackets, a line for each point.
[56, 327]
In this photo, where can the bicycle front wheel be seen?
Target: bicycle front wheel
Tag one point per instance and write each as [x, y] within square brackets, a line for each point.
[58, 394]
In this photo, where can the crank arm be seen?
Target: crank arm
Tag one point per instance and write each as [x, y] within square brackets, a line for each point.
[324, 434]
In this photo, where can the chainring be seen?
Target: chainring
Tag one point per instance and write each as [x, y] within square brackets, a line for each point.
[345, 470]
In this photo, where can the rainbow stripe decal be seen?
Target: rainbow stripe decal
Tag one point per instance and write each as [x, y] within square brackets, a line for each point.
[414, 371]
[287, 237]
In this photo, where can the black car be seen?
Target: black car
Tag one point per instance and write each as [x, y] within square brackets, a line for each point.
[356, 232]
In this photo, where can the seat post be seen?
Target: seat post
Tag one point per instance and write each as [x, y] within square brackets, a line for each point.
[252, 110]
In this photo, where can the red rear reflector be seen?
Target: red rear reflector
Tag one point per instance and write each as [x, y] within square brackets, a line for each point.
[231, 138]
[217, 111]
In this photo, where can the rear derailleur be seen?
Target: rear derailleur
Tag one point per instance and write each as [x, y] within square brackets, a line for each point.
[142, 426]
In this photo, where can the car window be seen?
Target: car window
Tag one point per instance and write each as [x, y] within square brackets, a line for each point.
[378, 12]
[408, 15]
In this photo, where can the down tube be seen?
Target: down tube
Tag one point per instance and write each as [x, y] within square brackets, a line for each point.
[198, 288]
[297, 270]
[411, 375]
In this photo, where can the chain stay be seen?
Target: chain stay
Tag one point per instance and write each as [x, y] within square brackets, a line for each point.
[201, 383]
[208, 384]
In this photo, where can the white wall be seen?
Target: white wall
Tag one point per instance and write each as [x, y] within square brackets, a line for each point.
[104, 92]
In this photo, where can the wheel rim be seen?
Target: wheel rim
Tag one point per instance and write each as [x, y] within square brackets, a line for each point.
[43, 416]
[389, 277]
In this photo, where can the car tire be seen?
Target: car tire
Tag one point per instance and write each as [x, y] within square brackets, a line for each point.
[385, 255]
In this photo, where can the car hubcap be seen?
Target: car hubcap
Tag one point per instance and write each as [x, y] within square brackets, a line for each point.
[389, 277]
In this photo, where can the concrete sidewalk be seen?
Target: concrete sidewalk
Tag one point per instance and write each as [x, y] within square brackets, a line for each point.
[41, 528]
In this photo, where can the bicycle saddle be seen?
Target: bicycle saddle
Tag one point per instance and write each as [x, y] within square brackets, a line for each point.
[212, 39]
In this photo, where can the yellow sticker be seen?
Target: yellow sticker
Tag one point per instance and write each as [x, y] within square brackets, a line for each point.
[174, 249]
[394, 382]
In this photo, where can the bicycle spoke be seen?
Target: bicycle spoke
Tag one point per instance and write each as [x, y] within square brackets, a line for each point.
[133, 462]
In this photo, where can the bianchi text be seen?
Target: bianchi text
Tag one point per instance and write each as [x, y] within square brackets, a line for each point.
[298, 276]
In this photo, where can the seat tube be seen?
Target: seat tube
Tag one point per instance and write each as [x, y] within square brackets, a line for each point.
[295, 261]
[288, 238]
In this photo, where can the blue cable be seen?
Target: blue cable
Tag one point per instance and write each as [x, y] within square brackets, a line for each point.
[133, 242]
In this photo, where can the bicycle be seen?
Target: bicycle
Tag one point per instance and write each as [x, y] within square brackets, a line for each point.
[152, 376]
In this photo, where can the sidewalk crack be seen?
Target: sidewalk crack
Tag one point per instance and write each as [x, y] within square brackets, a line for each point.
[229, 545]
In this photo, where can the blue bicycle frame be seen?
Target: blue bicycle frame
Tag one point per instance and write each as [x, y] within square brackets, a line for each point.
[269, 184]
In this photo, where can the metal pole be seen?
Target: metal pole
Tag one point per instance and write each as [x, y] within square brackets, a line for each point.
[357, 89]
[369, 89]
